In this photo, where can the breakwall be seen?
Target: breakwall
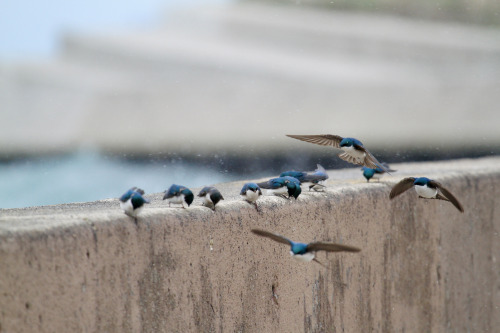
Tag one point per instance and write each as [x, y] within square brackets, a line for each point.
[424, 266]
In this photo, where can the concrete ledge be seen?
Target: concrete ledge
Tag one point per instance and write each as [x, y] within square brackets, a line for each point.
[424, 266]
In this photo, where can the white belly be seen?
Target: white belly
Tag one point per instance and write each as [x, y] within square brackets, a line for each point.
[251, 196]
[307, 257]
[359, 156]
[425, 191]
[177, 199]
[279, 191]
[128, 208]
[208, 200]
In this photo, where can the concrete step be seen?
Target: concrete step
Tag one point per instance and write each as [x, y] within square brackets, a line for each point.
[287, 26]
[215, 87]
[307, 39]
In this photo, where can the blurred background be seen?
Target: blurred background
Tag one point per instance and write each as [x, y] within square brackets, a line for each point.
[99, 97]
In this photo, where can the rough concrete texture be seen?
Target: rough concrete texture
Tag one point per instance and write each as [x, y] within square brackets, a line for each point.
[423, 267]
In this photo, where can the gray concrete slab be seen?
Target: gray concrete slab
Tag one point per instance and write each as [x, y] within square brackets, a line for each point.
[424, 266]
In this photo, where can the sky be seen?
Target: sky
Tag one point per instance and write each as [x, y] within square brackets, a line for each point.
[32, 29]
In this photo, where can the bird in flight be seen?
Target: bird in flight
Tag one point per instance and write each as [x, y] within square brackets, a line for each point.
[426, 188]
[306, 252]
[353, 150]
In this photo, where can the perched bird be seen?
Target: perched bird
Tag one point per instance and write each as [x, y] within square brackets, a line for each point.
[354, 151]
[133, 201]
[377, 173]
[426, 188]
[316, 179]
[211, 195]
[251, 192]
[281, 186]
[179, 194]
[306, 252]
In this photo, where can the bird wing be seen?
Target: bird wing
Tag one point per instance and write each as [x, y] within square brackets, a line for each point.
[266, 185]
[348, 158]
[275, 237]
[315, 178]
[447, 194]
[244, 189]
[331, 247]
[370, 160]
[402, 186]
[322, 140]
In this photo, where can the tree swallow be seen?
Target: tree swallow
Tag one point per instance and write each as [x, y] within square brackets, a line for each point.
[133, 201]
[281, 186]
[315, 179]
[375, 173]
[178, 194]
[211, 195]
[251, 192]
[426, 188]
[354, 151]
[306, 252]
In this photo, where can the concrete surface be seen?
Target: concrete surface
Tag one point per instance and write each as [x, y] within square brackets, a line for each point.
[310, 71]
[87, 267]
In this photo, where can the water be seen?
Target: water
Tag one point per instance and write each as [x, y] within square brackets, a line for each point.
[89, 176]
[31, 29]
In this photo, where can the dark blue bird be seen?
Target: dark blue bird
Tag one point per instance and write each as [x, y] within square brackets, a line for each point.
[251, 192]
[178, 194]
[211, 196]
[316, 179]
[375, 173]
[306, 252]
[426, 188]
[353, 150]
[281, 186]
[133, 201]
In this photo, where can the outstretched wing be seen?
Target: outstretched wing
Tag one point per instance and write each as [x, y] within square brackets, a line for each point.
[322, 140]
[275, 237]
[447, 194]
[370, 160]
[331, 247]
[401, 187]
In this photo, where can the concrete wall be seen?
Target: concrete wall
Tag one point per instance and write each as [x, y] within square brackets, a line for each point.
[424, 266]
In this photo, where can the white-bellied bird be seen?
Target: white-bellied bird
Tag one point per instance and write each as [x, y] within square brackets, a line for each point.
[211, 196]
[281, 186]
[133, 201]
[315, 179]
[178, 194]
[426, 188]
[353, 150]
[250, 193]
[306, 252]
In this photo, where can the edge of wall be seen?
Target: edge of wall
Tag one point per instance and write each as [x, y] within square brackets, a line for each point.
[423, 267]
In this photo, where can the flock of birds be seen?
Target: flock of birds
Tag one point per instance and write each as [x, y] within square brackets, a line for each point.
[288, 185]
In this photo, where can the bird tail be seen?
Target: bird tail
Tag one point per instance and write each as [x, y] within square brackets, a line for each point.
[319, 262]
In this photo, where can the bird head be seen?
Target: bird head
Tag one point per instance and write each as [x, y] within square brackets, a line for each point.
[422, 181]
